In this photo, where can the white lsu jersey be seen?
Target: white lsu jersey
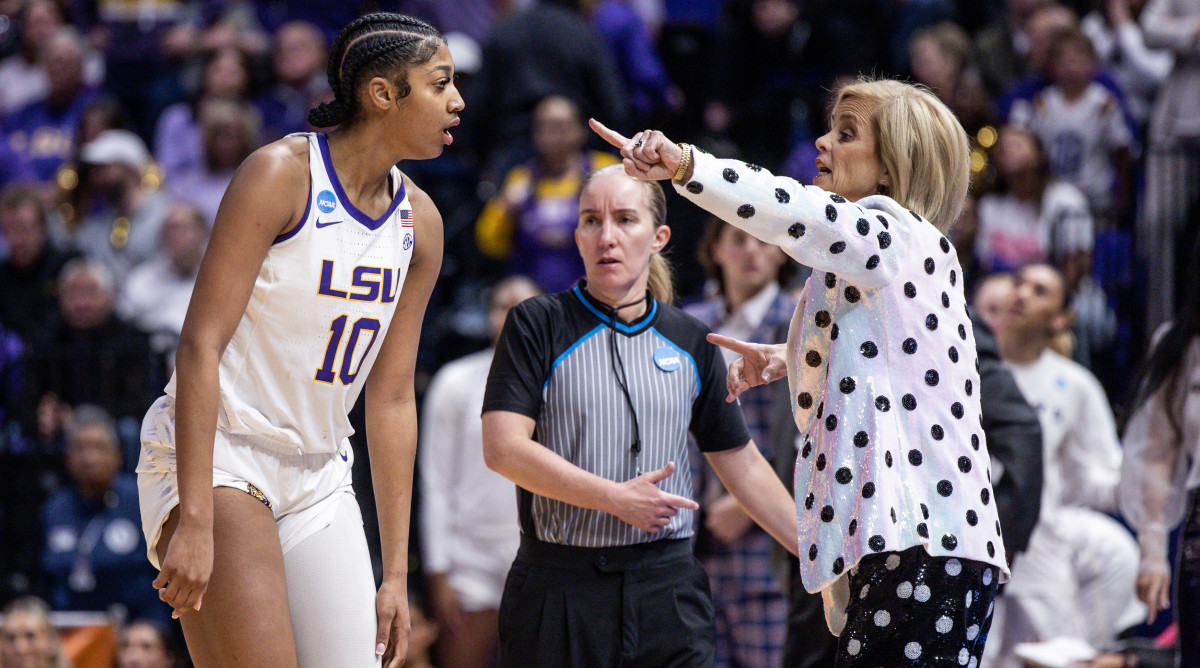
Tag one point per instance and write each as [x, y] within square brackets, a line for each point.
[316, 319]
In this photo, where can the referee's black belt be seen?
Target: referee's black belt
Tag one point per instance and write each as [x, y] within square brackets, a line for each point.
[605, 559]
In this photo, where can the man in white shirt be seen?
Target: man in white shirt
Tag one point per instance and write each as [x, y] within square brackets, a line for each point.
[469, 524]
[1077, 576]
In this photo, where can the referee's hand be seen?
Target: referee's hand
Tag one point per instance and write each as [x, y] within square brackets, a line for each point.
[641, 503]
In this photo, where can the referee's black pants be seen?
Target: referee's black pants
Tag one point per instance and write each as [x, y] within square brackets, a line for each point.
[642, 605]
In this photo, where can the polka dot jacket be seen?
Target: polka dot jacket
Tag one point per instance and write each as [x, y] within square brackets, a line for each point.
[882, 366]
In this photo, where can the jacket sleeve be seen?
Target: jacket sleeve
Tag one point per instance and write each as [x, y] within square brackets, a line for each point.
[1152, 480]
[816, 228]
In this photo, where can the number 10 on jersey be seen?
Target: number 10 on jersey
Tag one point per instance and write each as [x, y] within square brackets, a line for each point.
[337, 328]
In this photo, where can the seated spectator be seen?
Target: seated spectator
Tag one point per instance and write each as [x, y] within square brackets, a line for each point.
[43, 132]
[298, 63]
[531, 223]
[28, 638]
[940, 57]
[86, 354]
[229, 133]
[95, 554]
[178, 138]
[1030, 217]
[22, 79]
[147, 643]
[122, 213]
[1116, 33]
[1076, 578]
[1003, 45]
[30, 272]
[1082, 127]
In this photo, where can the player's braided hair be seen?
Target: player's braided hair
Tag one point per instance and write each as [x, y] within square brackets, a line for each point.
[379, 44]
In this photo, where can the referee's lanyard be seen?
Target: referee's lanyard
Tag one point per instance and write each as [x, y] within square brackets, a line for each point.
[618, 367]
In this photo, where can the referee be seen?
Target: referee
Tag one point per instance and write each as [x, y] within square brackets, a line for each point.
[588, 404]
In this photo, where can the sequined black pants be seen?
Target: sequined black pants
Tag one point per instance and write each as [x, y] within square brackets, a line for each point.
[910, 609]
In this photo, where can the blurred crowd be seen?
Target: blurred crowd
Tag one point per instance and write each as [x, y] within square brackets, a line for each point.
[122, 122]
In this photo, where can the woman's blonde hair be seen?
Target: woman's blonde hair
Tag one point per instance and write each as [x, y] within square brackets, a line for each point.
[921, 144]
[660, 282]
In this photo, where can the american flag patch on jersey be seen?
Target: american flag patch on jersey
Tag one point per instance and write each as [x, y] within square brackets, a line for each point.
[406, 219]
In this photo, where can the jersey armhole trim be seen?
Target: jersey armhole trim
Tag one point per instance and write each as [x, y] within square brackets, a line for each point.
[303, 219]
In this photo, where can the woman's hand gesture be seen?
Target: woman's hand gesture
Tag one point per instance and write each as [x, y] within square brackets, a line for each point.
[648, 155]
[760, 364]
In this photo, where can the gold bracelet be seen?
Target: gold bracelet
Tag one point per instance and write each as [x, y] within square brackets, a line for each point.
[685, 163]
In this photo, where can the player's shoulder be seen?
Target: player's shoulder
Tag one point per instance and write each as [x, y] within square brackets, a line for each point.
[422, 205]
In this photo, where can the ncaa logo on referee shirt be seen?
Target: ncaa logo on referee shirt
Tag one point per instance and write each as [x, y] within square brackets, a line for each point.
[666, 358]
[326, 202]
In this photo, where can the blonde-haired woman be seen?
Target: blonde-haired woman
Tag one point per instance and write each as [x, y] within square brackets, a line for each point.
[589, 401]
[28, 637]
[897, 524]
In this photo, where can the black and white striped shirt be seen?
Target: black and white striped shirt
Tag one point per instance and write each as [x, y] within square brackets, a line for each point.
[554, 363]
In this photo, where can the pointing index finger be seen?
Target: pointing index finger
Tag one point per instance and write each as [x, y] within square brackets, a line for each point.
[736, 346]
[610, 136]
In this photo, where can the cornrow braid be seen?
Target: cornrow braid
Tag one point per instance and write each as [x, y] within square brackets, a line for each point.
[378, 44]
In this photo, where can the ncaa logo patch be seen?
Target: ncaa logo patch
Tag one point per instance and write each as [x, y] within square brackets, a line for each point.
[666, 359]
[408, 240]
[326, 201]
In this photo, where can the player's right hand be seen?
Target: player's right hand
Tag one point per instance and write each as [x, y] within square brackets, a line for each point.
[186, 568]
[641, 503]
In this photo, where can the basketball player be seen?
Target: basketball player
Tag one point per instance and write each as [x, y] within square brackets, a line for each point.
[319, 246]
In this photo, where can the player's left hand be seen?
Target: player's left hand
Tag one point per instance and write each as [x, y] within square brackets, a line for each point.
[648, 155]
[393, 623]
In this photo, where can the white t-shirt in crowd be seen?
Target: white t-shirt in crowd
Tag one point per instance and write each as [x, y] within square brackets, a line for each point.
[1013, 233]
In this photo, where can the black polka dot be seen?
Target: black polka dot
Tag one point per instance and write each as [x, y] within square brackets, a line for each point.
[885, 240]
[872, 262]
[830, 280]
[695, 187]
[820, 409]
[782, 195]
[914, 215]
[812, 552]
[843, 475]
[868, 349]
[827, 514]
[852, 527]
[945, 300]
[887, 459]
[883, 404]
[985, 495]
[937, 432]
[956, 409]
[882, 221]
[945, 488]
[822, 319]
[862, 226]
[730, 175]
[838, 565]
[953, 353]
[868, 489]
[808, 501]
[944, 244]
[914, 457]
[962, 332]
[837, 198]
[972, 518]
[752, 167]
[997, 527]
[910, 290]
[833, 332]
[812, 358]
[745, 210]
[846, 385]
[831, 422]
[949, 541]
[861, 439]
[837, 247]
[821, 462]
[991, 549]
[975, 441]
[909, 345]
[922, 530]
[953, 277]
[796, 230]
[931, 378]
[968, 386]
[924, 511]
[807, 449]
[929, 266]
[804, 400]
[830, 212]
[931, 322]
[894, 518]
[909, 402]
[852, 294]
